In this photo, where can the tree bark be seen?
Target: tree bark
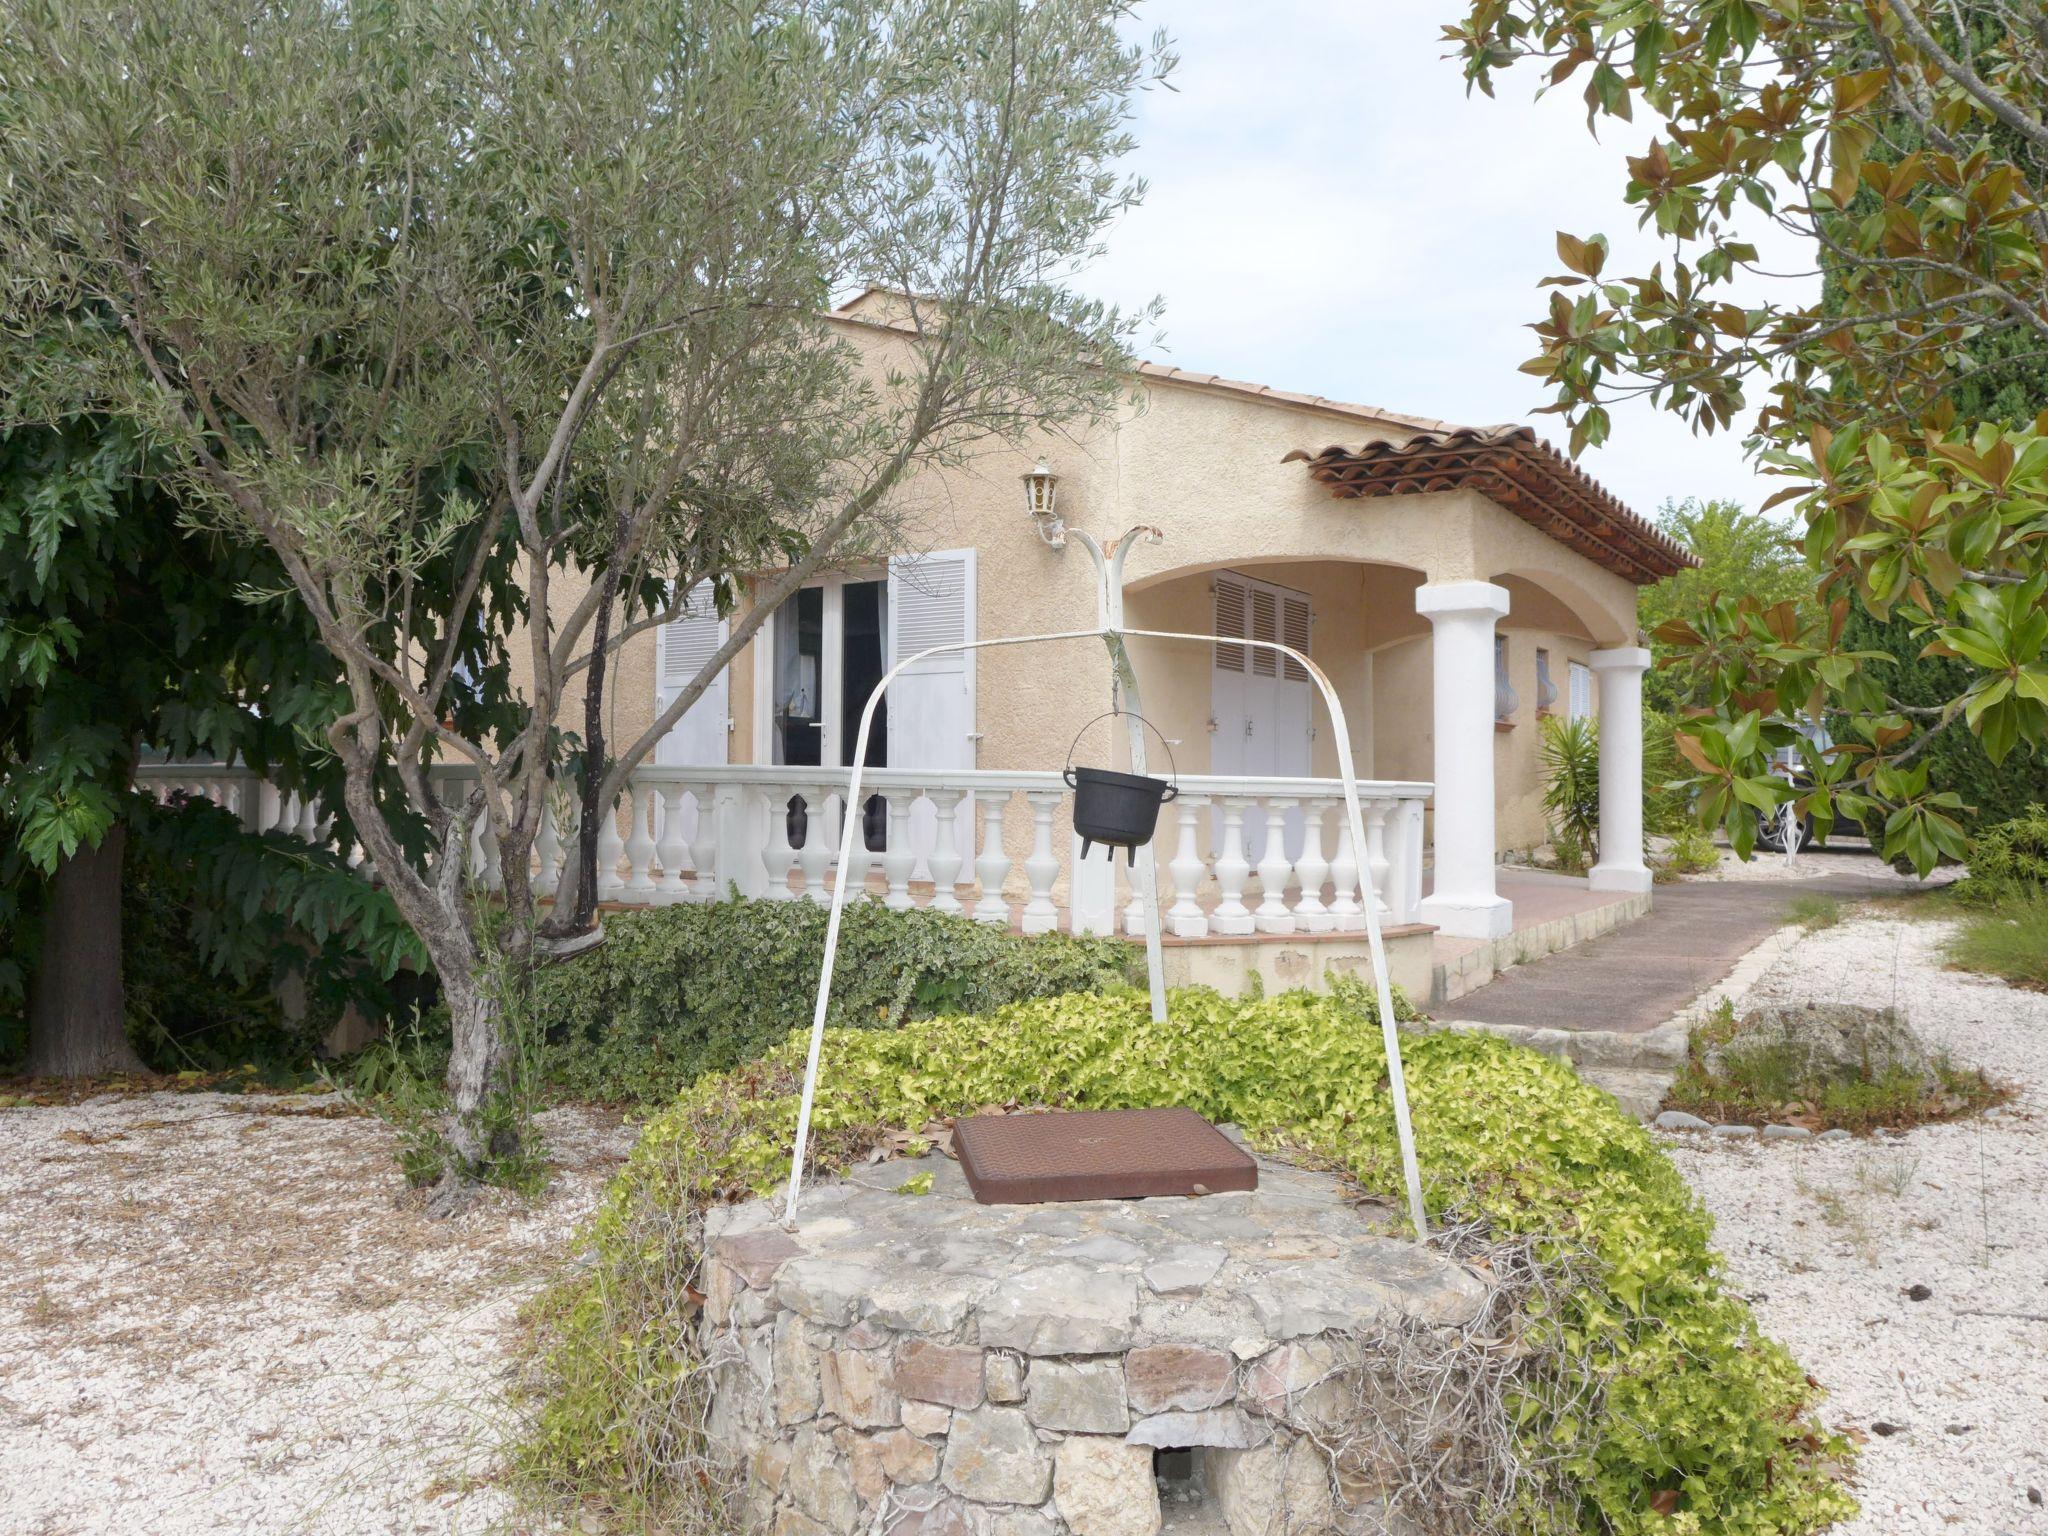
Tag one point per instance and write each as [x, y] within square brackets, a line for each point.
[77, 1006]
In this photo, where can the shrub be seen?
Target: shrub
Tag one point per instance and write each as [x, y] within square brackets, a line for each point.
[2008, 859]
[677, 991]
[1692, 851]
[1706, 1425]
[1571, 787]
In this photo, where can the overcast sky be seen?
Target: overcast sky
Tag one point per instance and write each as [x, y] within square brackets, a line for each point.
[1329, 212]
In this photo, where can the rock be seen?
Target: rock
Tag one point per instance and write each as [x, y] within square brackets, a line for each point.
[939, 1373]
[1102, 1249]
[1330, 1295]
[756, 1256]
[1734, 1132]
[864, 1463]
[994, 1457]
[926, 1418]
[1004, 1376]
[1020, 1522]
[857, 1388]
[1061, 1309]
[1679, 1120]
[819, 1483]
[1296, 1381]
[798, 1389]
[1164, 1377]
[907, 1459]
[1787, 1133]
[1919, 1292]
[1837, 1134]
[826, 1291]
[946, 1517]
[1105, 1488]
[1224, 1428]
[1830, 1042]
[924, 1303]
[1185, 1268]
[1273, 1490]
[1081, 1397]
[793, 1522]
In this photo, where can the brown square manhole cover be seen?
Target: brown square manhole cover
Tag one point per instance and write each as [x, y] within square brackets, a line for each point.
[1107, 1154]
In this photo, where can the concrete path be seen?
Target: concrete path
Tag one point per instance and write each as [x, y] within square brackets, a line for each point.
[1635, 978]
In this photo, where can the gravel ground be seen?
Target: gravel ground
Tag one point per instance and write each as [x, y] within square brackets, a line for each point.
[1829, 1240]
[1815, 866]
[223, 1314]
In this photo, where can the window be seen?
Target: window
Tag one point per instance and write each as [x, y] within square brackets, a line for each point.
[1505, 699]
[1546, 690]
[1582, 690]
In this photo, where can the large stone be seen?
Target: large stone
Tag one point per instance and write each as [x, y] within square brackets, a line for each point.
[1085, 1397]
[856, 1387]
[794, 1522]
[1105, 1488]
[945, 1517]
[1273, 1490]
[907, 1459]
[1184, 1269]
[1380, 1280]
[828, 1291]
[919, 1302]
[819, 1483]
[756, 1256]
[994, 1456]
[864, 1462]
[926, 1418]
[1005, 1377]
[798, 1390]
[939, 1373]
[1013, 1521]
[1225, 1428]
[1164, 1377]
[1829, 1042]
[1061, 1309]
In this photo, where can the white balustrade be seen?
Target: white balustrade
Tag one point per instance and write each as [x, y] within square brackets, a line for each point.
[992, 864]
[680, 834]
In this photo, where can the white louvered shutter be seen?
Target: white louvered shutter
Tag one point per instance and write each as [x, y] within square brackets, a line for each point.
[1582, 690]
[685, 644]
[931, 706]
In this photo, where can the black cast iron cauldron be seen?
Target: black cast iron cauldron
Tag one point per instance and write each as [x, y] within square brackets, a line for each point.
[1118, 810]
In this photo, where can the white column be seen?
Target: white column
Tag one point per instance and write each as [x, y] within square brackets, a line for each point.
[1463, 902]
[1621, 866]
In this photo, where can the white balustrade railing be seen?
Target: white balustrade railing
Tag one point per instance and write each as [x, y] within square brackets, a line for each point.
[1233, 856]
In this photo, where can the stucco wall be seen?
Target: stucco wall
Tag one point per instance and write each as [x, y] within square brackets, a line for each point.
[1204, 466]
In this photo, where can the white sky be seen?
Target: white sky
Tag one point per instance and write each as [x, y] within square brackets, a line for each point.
[1329, 212]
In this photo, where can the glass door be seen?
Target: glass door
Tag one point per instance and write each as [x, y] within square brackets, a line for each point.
[829, 648]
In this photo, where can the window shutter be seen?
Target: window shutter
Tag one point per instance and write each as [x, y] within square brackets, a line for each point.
[931, 706]
[1231, 602]
[1294, 631]
[684, 645]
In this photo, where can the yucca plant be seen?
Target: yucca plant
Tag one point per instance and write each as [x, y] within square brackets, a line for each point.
[1571, 786]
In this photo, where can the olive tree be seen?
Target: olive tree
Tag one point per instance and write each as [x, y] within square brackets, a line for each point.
[525, 300]
[1904, 145]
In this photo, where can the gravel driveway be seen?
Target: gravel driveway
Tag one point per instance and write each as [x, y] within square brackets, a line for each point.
[221, 1314]
[1830, 1240]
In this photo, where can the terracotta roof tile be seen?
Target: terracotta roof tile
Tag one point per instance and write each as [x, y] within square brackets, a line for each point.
[1512, 466]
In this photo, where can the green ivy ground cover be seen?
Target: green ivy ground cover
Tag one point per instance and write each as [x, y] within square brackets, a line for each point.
[1707, 1426]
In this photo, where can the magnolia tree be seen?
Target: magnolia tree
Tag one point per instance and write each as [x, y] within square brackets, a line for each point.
[1906, 145]
[514, 310]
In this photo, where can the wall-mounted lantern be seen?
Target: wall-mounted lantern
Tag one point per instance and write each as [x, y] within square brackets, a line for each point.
[1041, 500]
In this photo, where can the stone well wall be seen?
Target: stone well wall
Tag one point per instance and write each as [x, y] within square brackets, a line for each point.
[920, 1365]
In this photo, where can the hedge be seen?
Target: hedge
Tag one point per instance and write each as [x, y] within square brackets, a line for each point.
[677, 991]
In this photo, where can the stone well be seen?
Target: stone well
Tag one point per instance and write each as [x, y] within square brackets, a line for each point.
[920, 1365]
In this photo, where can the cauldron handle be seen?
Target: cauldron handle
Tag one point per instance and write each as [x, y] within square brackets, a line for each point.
[1172, 767]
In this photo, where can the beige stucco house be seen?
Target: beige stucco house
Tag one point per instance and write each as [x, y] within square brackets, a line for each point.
[1455, 583]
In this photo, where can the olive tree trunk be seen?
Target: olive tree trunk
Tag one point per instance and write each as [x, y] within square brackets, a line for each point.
[76, 1005]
